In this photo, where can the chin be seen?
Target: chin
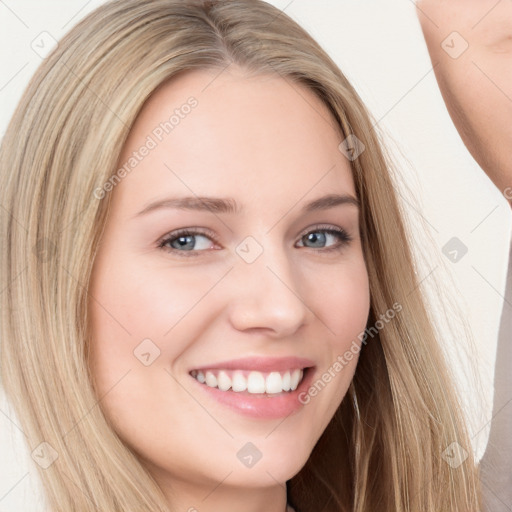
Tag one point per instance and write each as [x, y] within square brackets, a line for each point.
[275, 470]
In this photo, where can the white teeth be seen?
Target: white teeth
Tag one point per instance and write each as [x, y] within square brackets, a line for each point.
[238, 382]
[286, 381]
[223, 381]
[295, 378]
[274, 383]
[211, 380]
[254, 382]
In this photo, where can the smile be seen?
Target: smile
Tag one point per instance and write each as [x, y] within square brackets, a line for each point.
[253, 382]
[257, 386]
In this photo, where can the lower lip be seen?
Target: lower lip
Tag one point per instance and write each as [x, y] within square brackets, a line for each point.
[261, 405]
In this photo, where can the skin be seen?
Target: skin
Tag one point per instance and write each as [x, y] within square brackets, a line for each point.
[259, 141]
[477, 85]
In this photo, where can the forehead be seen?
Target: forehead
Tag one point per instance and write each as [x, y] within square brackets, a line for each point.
[226, 133]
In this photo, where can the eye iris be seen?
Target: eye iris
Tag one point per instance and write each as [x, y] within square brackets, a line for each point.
[184, 240]
[313, 237]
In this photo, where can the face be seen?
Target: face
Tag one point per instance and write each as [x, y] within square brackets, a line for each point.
[212, 321]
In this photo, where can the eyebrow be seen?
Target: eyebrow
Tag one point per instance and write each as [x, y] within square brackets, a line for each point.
[230, 206]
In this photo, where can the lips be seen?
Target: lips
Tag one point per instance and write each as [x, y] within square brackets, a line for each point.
[260, 387]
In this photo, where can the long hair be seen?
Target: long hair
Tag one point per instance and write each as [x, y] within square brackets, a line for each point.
[385, 448]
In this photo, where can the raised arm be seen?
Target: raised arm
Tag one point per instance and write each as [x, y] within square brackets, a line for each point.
[470, 44]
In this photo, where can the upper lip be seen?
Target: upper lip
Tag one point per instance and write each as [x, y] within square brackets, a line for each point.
[260, 364]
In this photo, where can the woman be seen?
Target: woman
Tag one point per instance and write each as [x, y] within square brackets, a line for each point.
[250, 371]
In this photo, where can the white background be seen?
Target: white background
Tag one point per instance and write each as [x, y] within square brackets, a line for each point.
[379, 46]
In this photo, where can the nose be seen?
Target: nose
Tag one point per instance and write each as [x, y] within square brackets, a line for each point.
[267, 295]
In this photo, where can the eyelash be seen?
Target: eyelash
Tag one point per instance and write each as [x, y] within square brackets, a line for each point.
[343, 237]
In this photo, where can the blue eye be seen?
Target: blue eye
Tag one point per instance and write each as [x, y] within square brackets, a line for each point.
[183, 242]
[340, 234]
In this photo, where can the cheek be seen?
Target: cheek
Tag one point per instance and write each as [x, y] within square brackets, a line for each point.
[134, 302]
[143, 314]
[343, 301]
[340, 300]
[134, 311]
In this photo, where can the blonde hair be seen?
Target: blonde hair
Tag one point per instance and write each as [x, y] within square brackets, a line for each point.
[383, 449]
